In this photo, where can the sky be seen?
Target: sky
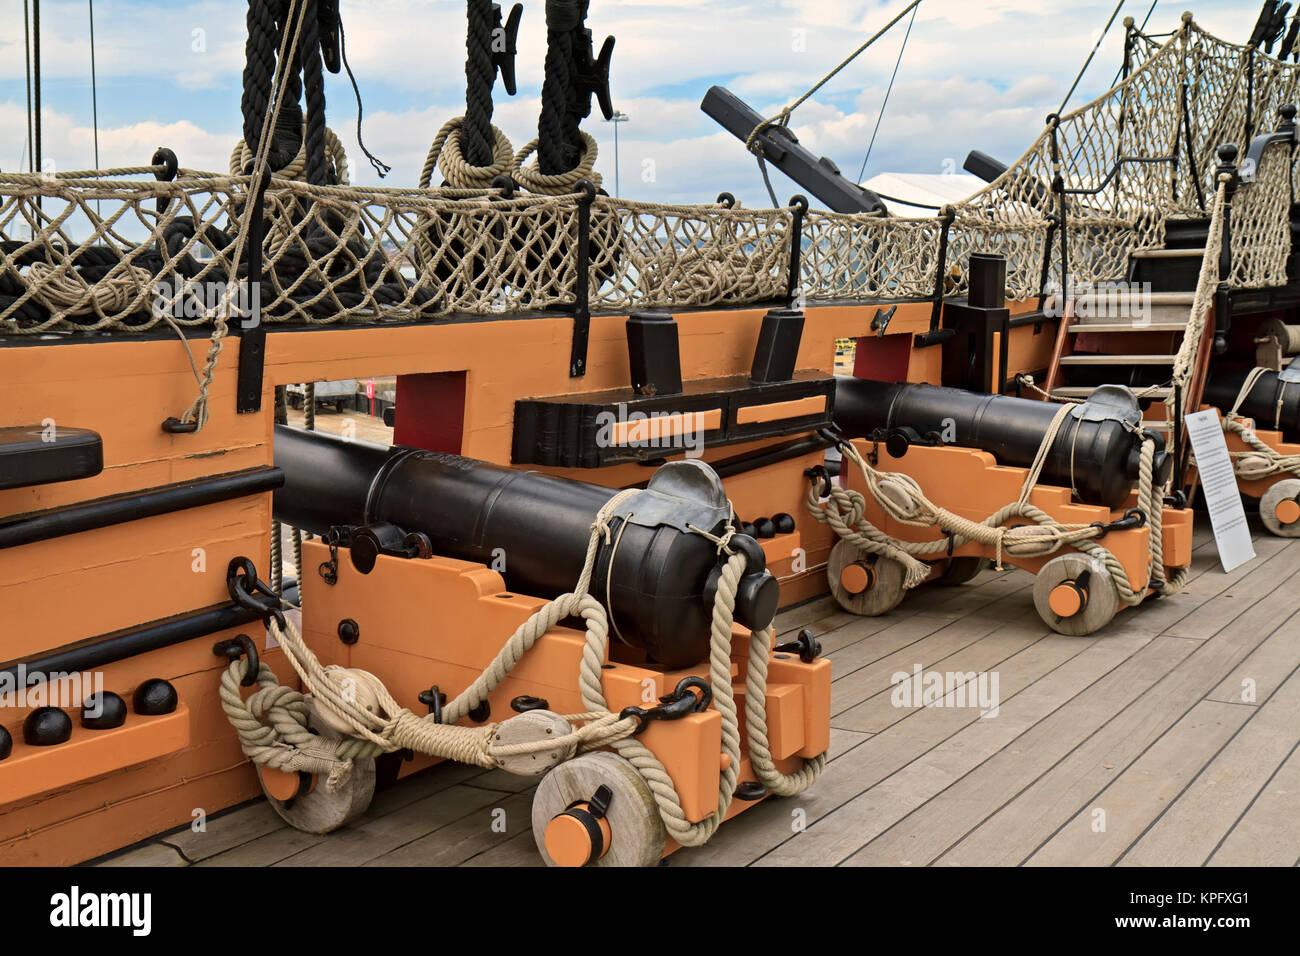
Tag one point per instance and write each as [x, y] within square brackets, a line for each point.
[975, 74]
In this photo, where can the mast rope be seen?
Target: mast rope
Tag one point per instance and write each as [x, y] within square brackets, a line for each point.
[782, 118]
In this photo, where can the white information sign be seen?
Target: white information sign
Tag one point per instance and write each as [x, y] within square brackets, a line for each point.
[1219, 484]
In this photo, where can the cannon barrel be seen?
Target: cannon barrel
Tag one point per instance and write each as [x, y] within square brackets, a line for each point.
[536, 528]
[1273, 401]
[1099, 458]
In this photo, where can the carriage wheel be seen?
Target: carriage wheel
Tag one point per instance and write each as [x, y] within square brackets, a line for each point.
[862, 583]
[1074, 596]
[303, 801]
[595, 810]
[1279, 508]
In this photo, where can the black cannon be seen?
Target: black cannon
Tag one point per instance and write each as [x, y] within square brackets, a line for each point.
[1273, 401]
[1096, 451]
[657, 577]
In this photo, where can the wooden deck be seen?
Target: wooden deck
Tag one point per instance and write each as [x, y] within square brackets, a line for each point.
[1138, 747]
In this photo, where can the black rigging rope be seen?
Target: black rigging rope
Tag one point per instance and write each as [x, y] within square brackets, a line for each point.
[313, 76]
[265, 20]
[38, 162]
[94, 84]
[559, 147]
[382, 168]
[27, 58]
[477, 141]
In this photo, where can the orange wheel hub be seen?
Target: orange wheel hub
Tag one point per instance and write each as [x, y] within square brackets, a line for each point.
[284, 786]
[1067, 599]
[577, 837]
[1288, 511]
[857, 578]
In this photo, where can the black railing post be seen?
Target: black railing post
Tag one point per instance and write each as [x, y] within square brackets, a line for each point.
[1046, 270]
[1222, 300]
[252, 345]
[582, 290]
[1250, 94]
[799, 204]
[946, 218]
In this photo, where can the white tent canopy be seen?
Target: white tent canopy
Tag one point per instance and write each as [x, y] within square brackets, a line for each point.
[915, 191]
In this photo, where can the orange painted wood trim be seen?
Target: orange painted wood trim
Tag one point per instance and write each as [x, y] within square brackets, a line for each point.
[796, 408]
[90, 753]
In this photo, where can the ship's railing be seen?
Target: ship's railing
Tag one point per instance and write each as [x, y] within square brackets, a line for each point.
[1099, 184]
[120, 249]
[97, 252]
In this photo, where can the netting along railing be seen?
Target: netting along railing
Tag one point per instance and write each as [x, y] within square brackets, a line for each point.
[339, 254]
[1261, 222]
[103, 250]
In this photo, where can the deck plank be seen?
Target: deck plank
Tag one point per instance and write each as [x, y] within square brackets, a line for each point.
[1268, 833]
[467, 837]
[372, 837]
[1057, 783]
[1188, 832]
[1032, 684]
[1127, 805]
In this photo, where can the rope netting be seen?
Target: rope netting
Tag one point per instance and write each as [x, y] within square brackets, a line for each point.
[1261, 223]
[1128, 162]
[335, 254]
[118, 249]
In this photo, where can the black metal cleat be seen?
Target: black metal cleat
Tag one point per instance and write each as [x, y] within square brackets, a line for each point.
[591, 74]
[505, 44]
[805, 645]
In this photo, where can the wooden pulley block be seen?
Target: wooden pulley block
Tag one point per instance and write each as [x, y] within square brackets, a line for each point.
[862, 583]
[595, 810]
[360, 686]
[1075, 595]
[1279, 508]
[898, 496]
[531, 727]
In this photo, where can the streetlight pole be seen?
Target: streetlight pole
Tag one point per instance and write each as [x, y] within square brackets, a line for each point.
[617, 118]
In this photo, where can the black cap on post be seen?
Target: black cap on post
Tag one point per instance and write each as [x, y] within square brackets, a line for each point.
[988, 280]
[653, 354]
[778, 347]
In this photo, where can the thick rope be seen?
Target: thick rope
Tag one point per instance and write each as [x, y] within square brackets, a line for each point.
[198, 410]
[902, 499]
[535, 180]
[477, 133]
[1263, 461]
[446, 156]
[385, 726]
[558, 131]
